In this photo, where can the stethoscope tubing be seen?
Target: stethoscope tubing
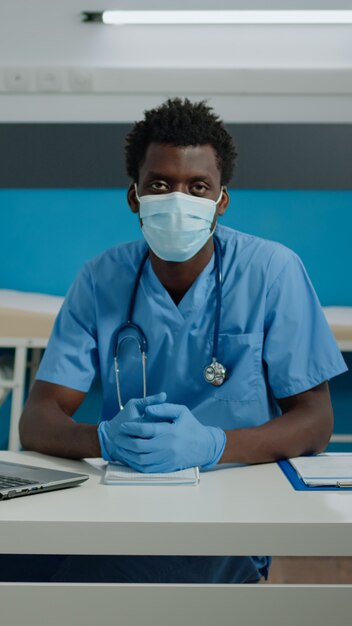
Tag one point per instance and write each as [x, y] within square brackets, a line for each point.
[218, 263]
[137, 332]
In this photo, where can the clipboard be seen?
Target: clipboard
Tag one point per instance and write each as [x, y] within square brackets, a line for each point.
[299, 485]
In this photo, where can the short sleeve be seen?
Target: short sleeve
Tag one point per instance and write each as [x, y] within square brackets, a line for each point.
[299, 350]
[71, 357]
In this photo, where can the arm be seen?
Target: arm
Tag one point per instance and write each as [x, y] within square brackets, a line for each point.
[46, 424]
[304, 428]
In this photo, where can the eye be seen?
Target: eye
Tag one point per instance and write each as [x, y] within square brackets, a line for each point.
[158, 186]
[199, 189]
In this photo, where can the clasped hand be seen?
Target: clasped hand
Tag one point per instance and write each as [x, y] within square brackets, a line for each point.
[152, 435]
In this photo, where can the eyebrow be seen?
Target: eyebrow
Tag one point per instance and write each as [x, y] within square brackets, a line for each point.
[160, 176]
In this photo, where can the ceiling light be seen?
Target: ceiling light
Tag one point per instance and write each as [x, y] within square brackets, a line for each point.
[122, 18]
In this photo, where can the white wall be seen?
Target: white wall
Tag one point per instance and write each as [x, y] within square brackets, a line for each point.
[49, 34]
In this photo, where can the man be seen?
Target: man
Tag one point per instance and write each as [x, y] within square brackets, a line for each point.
[259, 319]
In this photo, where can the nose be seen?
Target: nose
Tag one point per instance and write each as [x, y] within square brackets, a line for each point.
[181, 187]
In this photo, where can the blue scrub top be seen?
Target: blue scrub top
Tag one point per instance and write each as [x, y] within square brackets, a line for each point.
[274, 339]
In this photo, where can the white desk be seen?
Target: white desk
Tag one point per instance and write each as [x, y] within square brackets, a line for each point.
[239, 511]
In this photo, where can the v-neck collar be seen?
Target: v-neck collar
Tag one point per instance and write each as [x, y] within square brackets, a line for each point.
[194, 297]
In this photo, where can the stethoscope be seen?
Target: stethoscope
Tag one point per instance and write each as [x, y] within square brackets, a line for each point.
[215, 373]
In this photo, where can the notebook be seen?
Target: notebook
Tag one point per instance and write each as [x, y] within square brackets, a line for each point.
[17, 479]
[116, 474]
[327, 469]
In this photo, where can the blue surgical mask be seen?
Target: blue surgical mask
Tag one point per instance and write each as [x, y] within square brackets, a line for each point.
[176, 225]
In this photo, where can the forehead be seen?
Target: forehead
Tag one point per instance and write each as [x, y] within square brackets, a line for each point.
[180, 161]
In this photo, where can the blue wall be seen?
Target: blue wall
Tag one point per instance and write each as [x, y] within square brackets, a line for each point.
[48, 234]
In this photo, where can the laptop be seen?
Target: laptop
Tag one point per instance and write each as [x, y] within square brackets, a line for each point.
[24, 480]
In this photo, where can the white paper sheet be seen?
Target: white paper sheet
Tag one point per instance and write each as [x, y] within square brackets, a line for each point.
[117, 474]
[325, 469]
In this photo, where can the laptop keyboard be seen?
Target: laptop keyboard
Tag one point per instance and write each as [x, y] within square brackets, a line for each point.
[13, 481]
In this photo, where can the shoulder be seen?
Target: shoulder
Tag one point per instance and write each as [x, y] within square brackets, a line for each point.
[126, 256]
[264, 256]
[112, 269]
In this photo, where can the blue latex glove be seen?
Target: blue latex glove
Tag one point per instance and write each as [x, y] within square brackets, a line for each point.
[170, 438]
[109, 432]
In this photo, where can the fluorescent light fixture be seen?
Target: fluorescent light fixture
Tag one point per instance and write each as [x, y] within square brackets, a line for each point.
[122, 17]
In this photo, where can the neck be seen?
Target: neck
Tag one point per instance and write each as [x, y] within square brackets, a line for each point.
[177, 278]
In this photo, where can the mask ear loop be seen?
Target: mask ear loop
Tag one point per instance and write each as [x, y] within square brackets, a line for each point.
[216, 204]
[220, 196]
[137, 196]
[139, 200]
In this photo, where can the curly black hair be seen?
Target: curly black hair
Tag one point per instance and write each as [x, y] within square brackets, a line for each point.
[180, 123]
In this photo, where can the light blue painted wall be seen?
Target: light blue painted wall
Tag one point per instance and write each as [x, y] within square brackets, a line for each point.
[50, 233]
[46, 235]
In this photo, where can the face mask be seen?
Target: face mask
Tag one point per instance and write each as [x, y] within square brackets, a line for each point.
[176, 225]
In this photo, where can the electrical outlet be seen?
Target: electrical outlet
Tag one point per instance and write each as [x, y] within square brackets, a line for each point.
[49, 79]
[17, 79]
[81, 80]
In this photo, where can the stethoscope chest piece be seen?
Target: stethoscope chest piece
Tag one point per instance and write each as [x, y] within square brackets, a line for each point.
[215, 374]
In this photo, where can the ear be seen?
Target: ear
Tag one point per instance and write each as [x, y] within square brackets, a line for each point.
[224, 202]
[132, 199]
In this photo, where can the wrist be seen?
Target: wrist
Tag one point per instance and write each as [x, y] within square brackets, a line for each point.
[103, 440]
[81, 440]
[217, 447]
